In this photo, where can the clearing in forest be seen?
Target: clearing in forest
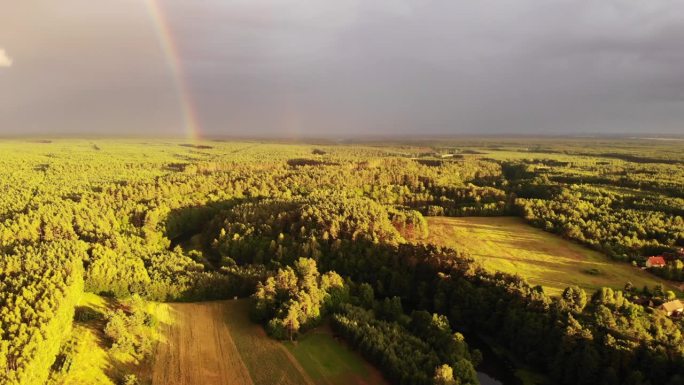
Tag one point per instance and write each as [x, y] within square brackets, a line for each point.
[216, 343]
[510, 245]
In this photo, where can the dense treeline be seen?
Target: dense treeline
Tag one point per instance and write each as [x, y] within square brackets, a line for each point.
[407, 358]
[592, 219]
[623, 224]
[39, 288]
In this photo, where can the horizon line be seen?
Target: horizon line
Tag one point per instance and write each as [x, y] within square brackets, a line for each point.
[345, 138]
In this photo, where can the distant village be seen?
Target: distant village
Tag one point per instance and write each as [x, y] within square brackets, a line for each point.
[656, 264]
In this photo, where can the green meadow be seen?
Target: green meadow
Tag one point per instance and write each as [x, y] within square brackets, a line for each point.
[328, 361]
[510, 245]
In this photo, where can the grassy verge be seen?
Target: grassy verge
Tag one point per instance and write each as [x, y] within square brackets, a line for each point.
[86, 357]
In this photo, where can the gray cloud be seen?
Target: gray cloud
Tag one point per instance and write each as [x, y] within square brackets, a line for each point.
[318, 67]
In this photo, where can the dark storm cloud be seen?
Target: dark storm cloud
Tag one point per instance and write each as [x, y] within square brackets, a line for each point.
[312, 67]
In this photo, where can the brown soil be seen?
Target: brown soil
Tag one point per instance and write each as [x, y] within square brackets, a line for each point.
[197, 348]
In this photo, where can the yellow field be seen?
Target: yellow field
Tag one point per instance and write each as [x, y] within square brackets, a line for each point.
[216, 343]
[197, 348]
[510, 245]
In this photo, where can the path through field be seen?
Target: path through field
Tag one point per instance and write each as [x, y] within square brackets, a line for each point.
[215, 343]
[197, 348]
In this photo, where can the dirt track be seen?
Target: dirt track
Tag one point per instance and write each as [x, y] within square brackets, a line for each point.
[197, 348]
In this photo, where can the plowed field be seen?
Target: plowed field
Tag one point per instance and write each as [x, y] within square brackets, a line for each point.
[197, 348]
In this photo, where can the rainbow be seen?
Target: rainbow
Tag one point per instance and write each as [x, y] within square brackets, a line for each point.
[191, 124]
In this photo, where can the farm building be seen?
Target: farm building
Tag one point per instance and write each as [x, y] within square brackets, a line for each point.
[656, 261]
[673, 307]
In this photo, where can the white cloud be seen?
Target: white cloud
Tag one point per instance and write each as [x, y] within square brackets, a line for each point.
[5, 61]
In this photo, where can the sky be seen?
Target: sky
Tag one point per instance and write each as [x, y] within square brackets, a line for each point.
[323, 68]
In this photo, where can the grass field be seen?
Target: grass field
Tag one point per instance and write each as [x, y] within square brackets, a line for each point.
[216, 343]
[327, 361]
[510, 245]
[267, 360]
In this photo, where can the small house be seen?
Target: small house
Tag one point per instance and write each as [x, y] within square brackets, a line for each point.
[656, 261]
[672, 308]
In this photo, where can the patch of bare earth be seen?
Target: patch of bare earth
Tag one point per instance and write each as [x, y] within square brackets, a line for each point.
[197, 348]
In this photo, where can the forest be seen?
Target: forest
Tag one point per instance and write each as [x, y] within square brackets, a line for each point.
[333, 233]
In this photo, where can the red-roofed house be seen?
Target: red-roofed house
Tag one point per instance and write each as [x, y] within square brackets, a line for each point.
[657, 261]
